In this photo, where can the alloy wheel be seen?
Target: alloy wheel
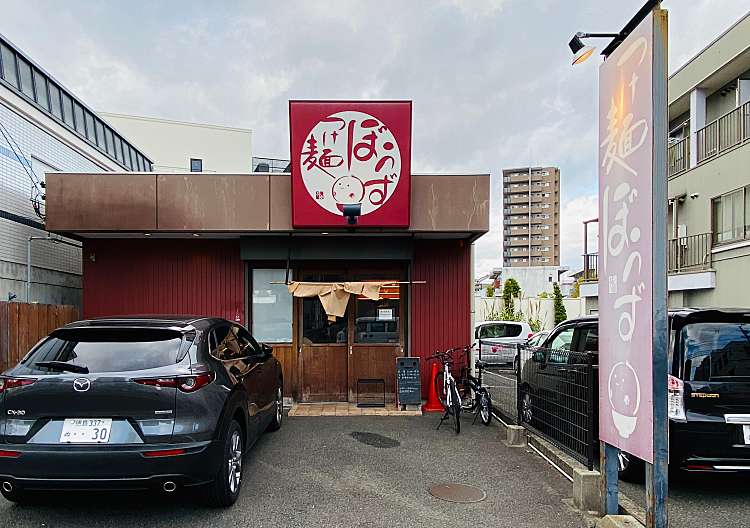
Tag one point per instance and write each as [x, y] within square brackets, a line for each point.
[526, 412]
[279, 406]
[235, 462]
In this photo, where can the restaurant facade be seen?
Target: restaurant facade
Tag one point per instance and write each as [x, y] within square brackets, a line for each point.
[350, 221]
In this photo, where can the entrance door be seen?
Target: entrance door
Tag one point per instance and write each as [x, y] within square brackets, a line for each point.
[376, 337]
[323, 351]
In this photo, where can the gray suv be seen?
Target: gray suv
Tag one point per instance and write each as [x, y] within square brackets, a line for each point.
[154, 403]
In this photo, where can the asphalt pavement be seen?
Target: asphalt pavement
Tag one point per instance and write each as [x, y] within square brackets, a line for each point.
[701, 500]
[314, 473]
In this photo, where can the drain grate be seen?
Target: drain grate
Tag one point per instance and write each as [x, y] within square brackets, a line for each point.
[375, 440]
[453, 492]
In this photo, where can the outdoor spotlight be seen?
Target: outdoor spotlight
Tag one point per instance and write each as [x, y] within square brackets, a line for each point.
[352, 212]
[581, 52]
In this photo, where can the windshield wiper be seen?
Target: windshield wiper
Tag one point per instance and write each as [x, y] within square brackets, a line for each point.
[62, 365]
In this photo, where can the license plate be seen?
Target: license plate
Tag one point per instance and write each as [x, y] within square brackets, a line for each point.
[86, 431]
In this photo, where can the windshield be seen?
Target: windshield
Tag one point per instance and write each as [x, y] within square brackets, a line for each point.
[716, 351]
[106, 350]
[499, 330]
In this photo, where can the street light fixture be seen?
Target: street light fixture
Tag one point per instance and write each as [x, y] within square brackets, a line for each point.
[581, 52]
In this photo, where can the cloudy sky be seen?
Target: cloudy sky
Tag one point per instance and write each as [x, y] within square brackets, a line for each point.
[491, 80]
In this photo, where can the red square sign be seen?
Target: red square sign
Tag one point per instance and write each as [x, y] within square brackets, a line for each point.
[350, 153]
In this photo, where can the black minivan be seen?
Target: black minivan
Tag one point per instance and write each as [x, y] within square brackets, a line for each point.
[709, 387]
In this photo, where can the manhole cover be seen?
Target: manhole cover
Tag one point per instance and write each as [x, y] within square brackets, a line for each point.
[375, 440]
[453, 492]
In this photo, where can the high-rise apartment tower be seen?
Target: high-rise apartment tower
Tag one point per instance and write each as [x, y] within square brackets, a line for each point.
[531, 217]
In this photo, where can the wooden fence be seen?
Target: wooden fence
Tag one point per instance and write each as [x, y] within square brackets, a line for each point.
[22, 325]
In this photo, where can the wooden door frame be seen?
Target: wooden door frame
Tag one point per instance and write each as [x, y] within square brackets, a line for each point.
[400, 272]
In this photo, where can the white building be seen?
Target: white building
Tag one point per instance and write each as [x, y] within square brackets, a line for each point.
[44, 127]
[534, 280]
[177, 146]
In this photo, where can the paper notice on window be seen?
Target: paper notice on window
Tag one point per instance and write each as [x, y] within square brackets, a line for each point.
[385, 314]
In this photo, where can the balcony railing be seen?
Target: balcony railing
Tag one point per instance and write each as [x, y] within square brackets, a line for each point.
[729, 130]
[684, 254]
[678, 156]
[590, 265]
[689, 253]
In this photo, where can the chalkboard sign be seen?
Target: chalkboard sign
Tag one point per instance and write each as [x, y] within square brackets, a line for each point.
[408, 382]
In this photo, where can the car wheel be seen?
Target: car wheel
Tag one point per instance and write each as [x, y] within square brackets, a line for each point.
[226, 488]
[630, 468]
[278, 416]
[527, 413]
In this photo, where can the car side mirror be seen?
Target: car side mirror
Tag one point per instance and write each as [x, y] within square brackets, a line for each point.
[538, 356]
[266, 350]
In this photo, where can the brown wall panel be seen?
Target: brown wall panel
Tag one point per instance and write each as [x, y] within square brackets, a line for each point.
[213, 202]
[287, 356]
[281, 203]
[450, 203]
[101, 202]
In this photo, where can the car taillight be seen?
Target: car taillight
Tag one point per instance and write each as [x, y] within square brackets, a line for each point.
[164, 453]
[675, 399]
[9, 454]
[183, 383]
[12, 383]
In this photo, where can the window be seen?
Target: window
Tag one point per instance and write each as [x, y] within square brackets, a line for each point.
[716, 351]
[316, 328]
[100, 134]
[562, 339]
[67, 109]
[110, 142]
[9, 65]
[118, 149]
[78, 111]
[108, 350]
[54, 101]
[223, 344]
[90, 133]
[589, 338]
[40, 82]
[379, 321]
[272, 307]
[729, 216]
[498, 330]
[24, 75]
[196, 165]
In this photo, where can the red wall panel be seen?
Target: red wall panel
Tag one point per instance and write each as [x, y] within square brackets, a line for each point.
[157, 276]
[440, 309]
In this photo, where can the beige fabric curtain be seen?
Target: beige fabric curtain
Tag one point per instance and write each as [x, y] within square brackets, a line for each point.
[334, 296]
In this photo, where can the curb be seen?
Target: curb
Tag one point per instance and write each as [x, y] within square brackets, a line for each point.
[567, 465]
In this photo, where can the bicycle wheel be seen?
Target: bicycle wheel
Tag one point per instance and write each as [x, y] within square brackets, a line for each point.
[455, 408]
[440, 387]
[485, 407]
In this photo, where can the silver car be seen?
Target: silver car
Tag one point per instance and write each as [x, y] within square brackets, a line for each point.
[497, 340]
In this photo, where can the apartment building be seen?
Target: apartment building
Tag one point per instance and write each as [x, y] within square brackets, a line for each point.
[531, 217]
[180, 146]
[44, 127]
[708, 178]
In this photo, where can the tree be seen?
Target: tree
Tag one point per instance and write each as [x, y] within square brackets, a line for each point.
[511, 290]
[560, 314]
[543, 295]
[575, 291]
[490, 291]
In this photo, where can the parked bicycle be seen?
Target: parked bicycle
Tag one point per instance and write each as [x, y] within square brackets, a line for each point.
[447, 390]
[476, 397]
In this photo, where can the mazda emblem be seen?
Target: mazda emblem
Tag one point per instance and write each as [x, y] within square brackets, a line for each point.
[81, 385]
